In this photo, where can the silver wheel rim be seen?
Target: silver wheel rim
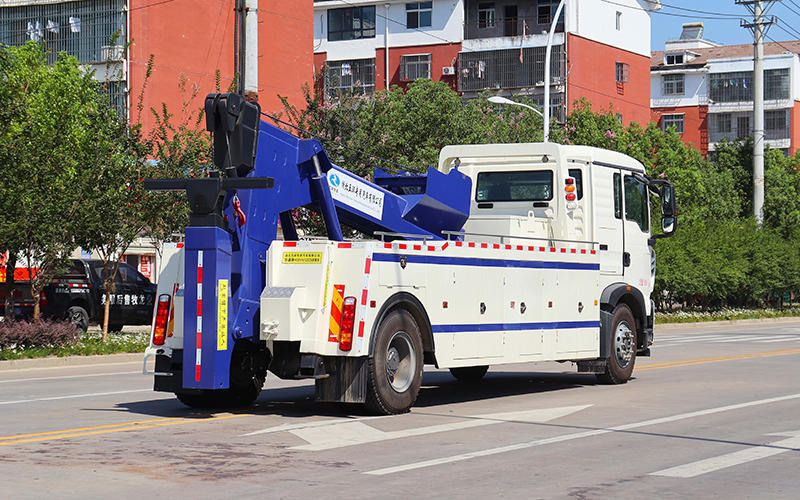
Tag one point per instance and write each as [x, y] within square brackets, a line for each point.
[401, 362]
[623, 344]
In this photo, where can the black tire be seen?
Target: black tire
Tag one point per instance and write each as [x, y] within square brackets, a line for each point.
[469, 373]
[78, 317]
[619, 365]
[395, 369]
[248, 374]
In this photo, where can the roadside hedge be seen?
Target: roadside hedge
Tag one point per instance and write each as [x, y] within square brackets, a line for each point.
[18, 334]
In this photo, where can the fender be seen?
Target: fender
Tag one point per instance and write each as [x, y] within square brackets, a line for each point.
[410, 303]
[612, 296]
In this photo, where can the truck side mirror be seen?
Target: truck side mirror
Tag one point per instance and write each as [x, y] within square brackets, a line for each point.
[669, 211]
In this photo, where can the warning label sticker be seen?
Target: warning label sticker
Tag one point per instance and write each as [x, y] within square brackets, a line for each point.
[302, 257]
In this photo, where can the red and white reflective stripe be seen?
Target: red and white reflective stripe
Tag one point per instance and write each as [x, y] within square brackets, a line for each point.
[78, 285]
[199, 351]
[364, 292]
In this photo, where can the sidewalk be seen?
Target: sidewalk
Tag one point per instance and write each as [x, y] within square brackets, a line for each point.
[54, 362]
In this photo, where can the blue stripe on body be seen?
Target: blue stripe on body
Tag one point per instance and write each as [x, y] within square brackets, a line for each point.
[492, 327]
[476, 262]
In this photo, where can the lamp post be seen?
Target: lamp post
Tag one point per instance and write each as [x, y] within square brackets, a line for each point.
[496, 99]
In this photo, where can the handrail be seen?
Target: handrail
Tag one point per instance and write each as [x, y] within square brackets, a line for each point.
[502, 237]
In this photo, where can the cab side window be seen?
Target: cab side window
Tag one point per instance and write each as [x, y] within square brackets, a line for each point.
[617, 196]
[637, 202]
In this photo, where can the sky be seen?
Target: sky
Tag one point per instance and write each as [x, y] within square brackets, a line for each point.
[721, 20]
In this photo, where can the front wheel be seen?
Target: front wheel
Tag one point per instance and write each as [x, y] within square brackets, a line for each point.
[395, 369]
[619, 365]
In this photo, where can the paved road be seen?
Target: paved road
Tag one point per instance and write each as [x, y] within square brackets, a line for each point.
[713, 414]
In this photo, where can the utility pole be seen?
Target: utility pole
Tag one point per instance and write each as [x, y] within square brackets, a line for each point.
[245, 37]
[759, 27]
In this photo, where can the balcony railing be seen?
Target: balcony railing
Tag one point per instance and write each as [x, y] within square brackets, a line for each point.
[508, 26]
[774, 134]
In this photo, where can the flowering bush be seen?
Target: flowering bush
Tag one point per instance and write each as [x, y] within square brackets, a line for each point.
[725, 314]
[16, 335]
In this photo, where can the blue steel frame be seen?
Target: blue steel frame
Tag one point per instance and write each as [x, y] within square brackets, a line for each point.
[239, 254]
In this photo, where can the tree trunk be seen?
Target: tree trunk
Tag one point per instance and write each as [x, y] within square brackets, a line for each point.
[11, 265]
[108, 286]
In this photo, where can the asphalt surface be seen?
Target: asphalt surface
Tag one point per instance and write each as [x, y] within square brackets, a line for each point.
[712, 414]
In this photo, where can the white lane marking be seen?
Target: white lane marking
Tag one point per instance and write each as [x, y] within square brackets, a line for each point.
[697, 338]
[741, 338]
[69, 376]
[74, 396]
[306, 425]
[777, 339]
[731, 459]
[354, 433]
[579, 435]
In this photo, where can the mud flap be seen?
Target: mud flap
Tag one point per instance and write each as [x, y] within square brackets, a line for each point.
[347, 382]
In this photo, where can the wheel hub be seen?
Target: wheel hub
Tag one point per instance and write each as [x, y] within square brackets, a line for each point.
[400, 362]
[624, 344]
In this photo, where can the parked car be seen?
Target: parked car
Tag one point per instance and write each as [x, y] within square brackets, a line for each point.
[78, 296]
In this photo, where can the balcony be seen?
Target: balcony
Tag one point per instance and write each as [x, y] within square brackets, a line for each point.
[508, 69]
[508, 27]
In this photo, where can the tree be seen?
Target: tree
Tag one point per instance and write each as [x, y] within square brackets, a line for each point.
[49, 112]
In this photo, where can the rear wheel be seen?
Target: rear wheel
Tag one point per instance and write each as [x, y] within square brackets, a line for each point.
[78, 317]
[248, 373]
[619, 365]
[395, 369]
[469, 373]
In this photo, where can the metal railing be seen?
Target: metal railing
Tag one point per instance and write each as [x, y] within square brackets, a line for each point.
[506, 69]
[508, 26]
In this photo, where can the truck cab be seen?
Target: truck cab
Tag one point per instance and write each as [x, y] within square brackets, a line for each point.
[578, 196]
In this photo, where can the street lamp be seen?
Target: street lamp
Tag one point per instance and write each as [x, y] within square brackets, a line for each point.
[496, 99]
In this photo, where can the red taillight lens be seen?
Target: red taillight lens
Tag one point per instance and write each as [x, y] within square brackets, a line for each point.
[43, 300]
[571, 197]
[348, 322]
[162, 314]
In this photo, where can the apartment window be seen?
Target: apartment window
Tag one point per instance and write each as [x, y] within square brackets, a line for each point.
[743, 126]
[673, 84]
[676, 121]
[351, 23]
[776, 84]
[731, 87]
[619, 21]
[419, 15]
[623, 72]
[414, 67]
[776, 124]
[83, 29]
[355, 76]
[486, 15]
[546, 10]
[672, 59]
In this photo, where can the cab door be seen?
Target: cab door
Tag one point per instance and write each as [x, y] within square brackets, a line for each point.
[607, 183]
[636, 254]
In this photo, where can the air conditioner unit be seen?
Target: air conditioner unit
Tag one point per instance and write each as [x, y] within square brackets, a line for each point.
[112, 53]
[448, 70]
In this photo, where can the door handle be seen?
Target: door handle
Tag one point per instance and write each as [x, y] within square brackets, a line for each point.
[626, 259]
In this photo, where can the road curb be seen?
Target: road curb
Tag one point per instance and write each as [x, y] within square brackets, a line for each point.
[55, 362]
[677, 326]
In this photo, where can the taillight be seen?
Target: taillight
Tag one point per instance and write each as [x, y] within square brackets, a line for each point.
[162, 314]
[348, 321]
[43, 300]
